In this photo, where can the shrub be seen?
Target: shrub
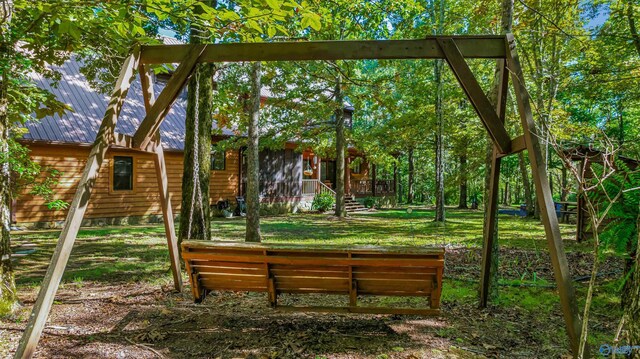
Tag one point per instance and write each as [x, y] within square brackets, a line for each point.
[322, 202]
[370, 202]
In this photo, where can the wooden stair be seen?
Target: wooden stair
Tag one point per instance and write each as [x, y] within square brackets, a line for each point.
[352, 205]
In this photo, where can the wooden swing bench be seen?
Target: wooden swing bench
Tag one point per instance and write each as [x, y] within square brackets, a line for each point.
[300, 269]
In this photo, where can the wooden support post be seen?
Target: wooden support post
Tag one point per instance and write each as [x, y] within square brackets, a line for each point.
[272, 293]
[146, 82]
[192, 282]
[51, 281]
[353, 289]
[545, 200]
[434, 299]
[353, 294]
[491, 219]
[163, 184]
[487, 113]
[167, 215]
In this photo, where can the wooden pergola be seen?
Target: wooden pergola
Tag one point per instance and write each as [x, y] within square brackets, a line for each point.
[454, 49]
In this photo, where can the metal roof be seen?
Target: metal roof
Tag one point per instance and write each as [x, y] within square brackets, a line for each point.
[80, 126]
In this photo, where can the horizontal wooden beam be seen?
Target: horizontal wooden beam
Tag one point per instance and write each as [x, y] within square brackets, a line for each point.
[518, 145]
[363, 310]
[126, 141]
[488, 47]
[122, 140]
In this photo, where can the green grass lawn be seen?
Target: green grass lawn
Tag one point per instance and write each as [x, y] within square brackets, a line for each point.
[139, 252]
[394, 227]
[113, 255]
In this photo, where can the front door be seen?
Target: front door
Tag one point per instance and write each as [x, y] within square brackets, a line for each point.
[328, 173]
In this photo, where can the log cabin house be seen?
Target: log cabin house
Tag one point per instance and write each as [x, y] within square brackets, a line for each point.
[126, 190]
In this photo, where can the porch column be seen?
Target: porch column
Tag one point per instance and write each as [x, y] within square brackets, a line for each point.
[347, 176]
[373, 179]
[240, 174]
[319, 168]
[395, 178]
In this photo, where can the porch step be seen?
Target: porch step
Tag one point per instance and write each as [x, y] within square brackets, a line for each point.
[353, 206]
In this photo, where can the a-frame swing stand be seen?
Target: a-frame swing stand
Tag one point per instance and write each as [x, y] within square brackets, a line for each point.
[453, 49]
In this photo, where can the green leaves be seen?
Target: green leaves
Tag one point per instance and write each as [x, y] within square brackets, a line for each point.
[274, 4]
[271, 31]
[311, 20]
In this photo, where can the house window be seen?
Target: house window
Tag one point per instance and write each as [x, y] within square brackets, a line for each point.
[355, 167]
[122, 173]
[217, 160]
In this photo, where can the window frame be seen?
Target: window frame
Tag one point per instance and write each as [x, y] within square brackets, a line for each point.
[224, 160]
[112, 169]
[359, 166]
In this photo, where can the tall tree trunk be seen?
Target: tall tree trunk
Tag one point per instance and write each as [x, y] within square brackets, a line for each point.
[410, 175]
[505, 27]
[505, 197]
[340, 149]
[253, 158]
[462, 203]
[526, 184]
[632, 26]
[8, 296]
[631, 290]
[439, 142]
[195, 220]
[565, 185]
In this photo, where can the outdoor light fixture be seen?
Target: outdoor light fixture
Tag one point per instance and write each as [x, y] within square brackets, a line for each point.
[308, 171]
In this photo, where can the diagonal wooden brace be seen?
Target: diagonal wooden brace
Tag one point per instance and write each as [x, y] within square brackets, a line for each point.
[151, 123]
[477, 97]
[51, 281]
[545, 201]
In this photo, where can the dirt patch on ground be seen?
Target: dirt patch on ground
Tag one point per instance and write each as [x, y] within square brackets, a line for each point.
[143, 320]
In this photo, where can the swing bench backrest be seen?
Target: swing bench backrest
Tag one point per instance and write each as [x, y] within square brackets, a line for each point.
[298, 269]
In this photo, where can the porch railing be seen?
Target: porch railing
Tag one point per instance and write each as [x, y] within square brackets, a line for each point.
[311, 187]
[365, 187]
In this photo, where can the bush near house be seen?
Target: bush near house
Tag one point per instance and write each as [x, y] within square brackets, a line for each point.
[370, 202]
[322, 202]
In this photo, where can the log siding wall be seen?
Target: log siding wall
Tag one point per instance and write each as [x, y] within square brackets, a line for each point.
[143, 200]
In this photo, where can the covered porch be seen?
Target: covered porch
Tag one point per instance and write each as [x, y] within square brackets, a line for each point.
[362, 179]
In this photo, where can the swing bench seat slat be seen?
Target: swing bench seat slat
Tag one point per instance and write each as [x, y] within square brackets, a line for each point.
[299, 269]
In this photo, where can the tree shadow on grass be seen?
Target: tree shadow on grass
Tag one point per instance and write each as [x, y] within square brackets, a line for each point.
[108, 260]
